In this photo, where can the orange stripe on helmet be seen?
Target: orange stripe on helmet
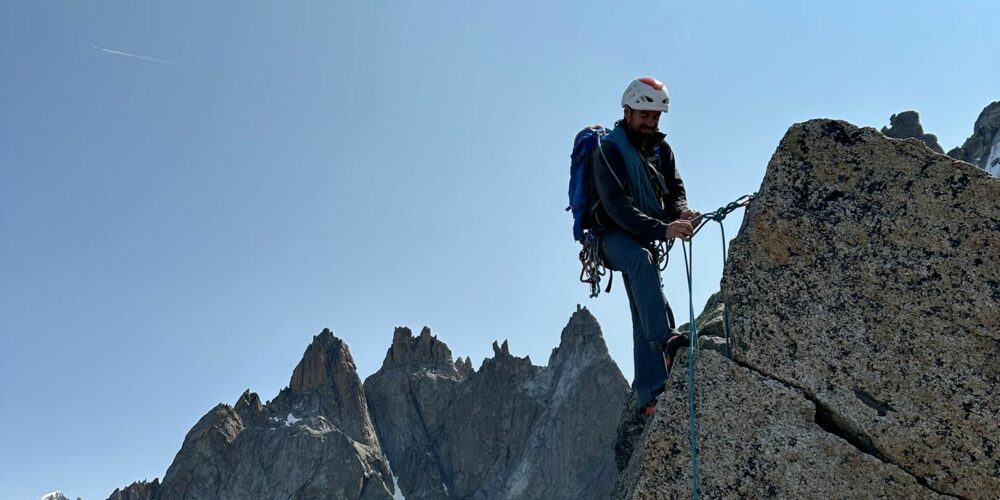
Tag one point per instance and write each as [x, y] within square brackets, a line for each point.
[652, 82]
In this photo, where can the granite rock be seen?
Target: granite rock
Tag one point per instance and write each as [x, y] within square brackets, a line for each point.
[866, 276]
[710, 323]
[756, 438]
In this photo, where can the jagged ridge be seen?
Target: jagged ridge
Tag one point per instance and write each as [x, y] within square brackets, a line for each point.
[507, 430]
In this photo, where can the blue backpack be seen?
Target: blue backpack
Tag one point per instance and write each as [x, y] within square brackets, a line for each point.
[593, 267]
[579, 177]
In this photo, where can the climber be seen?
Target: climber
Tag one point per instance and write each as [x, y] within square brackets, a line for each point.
[642, 201]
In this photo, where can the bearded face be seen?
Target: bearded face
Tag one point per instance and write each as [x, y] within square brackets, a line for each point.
[642, 122]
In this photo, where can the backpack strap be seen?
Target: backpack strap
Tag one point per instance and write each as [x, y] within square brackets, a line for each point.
[600, 149]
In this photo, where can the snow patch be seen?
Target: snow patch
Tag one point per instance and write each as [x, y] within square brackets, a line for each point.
[993, 163]
[398, 493]
[288, 420]
[53, 495]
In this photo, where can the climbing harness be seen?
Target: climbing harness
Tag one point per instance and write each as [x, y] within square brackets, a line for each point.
[688, 249]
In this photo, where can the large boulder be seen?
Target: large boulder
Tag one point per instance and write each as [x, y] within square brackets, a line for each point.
[864, 296]
[314, 441]
[982, 149]
[866, 276]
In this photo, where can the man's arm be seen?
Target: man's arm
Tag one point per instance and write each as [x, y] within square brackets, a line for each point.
[608, 170]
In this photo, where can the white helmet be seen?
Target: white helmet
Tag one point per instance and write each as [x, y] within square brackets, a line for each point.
[646, 94]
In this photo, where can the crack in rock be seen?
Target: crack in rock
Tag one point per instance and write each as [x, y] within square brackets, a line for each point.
[832, 422]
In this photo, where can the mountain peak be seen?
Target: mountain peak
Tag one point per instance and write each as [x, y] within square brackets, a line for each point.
[581, 339]
[582, 323]
[464, 367]
[501, 350]
[325, 358]
[424, 349]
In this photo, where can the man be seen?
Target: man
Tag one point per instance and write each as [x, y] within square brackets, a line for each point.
[642, 200]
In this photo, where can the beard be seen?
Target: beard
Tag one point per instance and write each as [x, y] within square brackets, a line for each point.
[641, 136]
[646, 131]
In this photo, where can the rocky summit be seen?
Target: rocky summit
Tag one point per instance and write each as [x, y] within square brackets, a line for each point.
[864, 295]
[315, 440]
[508, 430]
[982, 149]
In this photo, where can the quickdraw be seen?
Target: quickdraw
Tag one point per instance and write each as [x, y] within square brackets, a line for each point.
[592, 264]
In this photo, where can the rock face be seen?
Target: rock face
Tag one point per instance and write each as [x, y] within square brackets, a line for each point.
[756, 438]
[982, 149]
[867, 276]
[711, 333]
[315, 440]
[508, 430]
[906, 125]
[864, 295]
[408, 397]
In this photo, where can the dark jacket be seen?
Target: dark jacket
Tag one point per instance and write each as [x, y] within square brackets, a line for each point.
[616, 208]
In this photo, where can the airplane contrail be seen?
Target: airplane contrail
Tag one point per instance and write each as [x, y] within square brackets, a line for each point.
[136, 56]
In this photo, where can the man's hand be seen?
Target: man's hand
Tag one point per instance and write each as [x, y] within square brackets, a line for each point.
[693, 217]
[688, 215]
[679, 229]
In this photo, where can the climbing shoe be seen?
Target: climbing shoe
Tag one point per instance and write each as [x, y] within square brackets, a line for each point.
[648, 409]
[671, 346]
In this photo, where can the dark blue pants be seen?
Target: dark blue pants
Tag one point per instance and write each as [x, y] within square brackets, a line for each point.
[652, 319]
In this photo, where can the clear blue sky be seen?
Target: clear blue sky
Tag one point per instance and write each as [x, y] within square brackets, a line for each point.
[174, 230]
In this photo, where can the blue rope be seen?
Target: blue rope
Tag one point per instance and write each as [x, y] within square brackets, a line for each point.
[693, 335]
[641, 186]
[719, 216]
[688, 246]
